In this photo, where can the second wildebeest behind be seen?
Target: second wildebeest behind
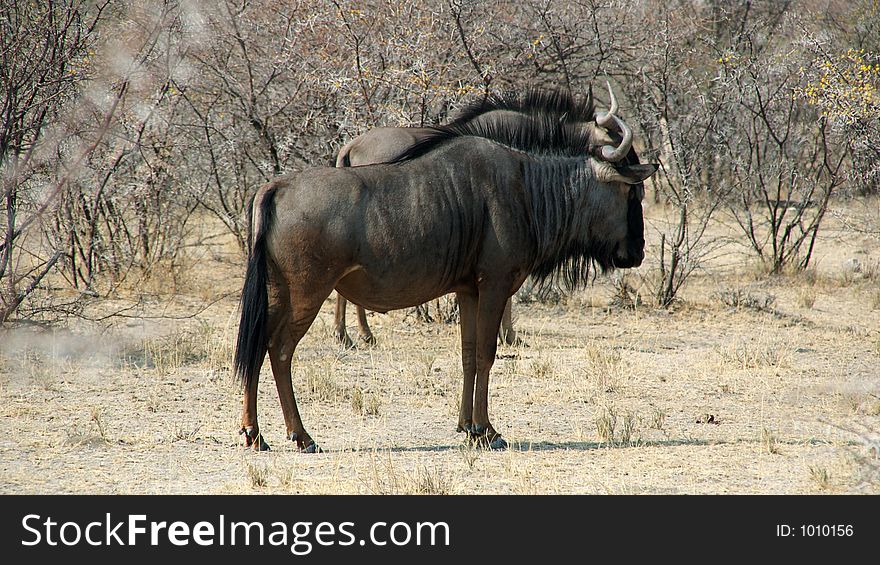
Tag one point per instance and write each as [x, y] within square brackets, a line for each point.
[471, 209]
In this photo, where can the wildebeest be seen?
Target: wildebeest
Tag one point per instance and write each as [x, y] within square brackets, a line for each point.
[472, 209]
[387, 144]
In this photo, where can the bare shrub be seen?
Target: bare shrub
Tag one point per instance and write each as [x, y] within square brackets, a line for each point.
[785, 164]
[38, 161]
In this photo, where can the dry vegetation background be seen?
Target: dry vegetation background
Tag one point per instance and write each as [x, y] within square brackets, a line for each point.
[742, 357]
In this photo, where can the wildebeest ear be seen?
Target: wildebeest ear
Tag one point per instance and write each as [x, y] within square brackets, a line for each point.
[634, 174]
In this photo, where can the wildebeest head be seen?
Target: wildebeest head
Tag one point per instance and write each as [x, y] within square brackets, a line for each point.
[619, 224]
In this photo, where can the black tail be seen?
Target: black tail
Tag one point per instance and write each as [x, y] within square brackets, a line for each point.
[253, 329]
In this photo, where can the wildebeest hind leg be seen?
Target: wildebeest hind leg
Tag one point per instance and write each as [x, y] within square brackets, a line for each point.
[364, 327]
[286, 336]
[507, 334]
[340, 331]
[250, 430]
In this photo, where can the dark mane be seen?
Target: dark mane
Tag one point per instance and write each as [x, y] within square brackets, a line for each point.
[551, 122]
[531, 100]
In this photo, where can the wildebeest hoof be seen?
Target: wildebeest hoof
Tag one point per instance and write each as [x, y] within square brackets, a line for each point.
[306, 445]
[485, 437]
[482, 441]
[498, 443]
[344, 340]
[369, 339]
[312, 448]
[254, 439]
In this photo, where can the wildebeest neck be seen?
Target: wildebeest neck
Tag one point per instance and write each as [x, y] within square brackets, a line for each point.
[560, 219]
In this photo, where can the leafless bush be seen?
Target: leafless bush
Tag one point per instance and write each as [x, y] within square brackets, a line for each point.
[124, 212]
[86, 185]
[784, 164]
[42, 53]
[678, 104]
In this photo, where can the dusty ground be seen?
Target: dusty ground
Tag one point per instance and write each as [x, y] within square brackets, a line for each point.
[752, 384]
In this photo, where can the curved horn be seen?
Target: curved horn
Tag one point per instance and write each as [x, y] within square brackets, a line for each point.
[615, 154]
[605, 119]
[610, 121]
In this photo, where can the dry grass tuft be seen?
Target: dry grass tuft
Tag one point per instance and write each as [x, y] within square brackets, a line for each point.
[469, 454]
[606, 423]
[96, 419]
[807, 298]
[870, 270]
[542, 367]
[809, 275]
[372, 405]
[605, 368]
[626, 435]
[656, 419]
[258, 474]
[625, 295]
[769, 441]
[386, 479]
[365, 403]
[357, 400]
[820, 477]
[321, 384]
[94, 436]
[744, 299]
[755, 354]
[628, 431]
[425, 360]
[203, 346]
[43, 375]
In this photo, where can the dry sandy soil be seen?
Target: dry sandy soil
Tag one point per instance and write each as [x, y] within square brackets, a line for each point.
[751, 384]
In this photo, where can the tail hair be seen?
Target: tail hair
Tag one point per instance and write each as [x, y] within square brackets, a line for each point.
[253, 328]
[343, 158]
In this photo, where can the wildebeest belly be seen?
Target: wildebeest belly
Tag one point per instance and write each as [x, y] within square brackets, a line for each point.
[386, 291]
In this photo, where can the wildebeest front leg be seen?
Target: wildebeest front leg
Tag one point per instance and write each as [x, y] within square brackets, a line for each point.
[489, 311]
[467, 304]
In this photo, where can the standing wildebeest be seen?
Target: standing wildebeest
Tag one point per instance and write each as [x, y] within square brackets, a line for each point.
[387, 144]
[473, 209]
